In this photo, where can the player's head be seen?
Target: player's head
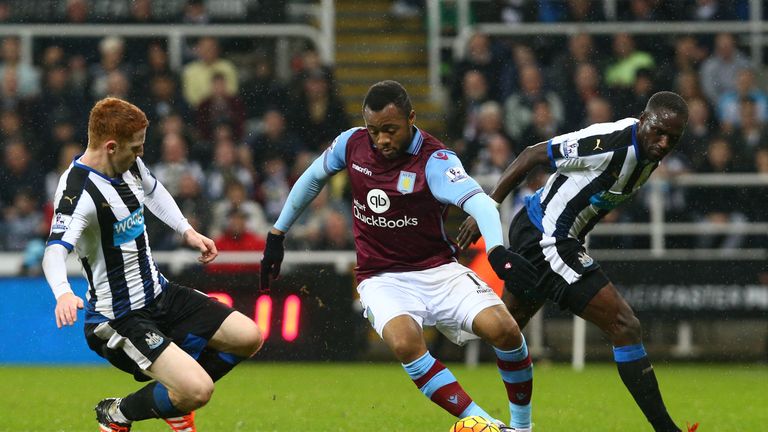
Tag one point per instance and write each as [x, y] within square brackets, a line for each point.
[117, 128]
[661, 125]
[389, 116]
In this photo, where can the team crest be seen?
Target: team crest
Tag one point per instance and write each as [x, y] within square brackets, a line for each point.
[406, 182]
[585, 259]
[153, 340]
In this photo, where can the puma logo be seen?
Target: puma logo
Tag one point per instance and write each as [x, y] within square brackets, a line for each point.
[105, 205]
[71, 199]
[597, 145]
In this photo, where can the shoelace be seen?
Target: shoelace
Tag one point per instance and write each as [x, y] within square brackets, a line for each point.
[692, 428]
[184, 423]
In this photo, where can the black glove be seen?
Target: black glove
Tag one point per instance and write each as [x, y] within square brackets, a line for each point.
[273, 257]
[517, 272]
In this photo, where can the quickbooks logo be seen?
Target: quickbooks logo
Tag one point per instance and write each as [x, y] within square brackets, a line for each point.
[383, 222]
[129, 228]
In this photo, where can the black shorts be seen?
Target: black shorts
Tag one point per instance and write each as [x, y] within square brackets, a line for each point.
[181, 315]
[568, 276]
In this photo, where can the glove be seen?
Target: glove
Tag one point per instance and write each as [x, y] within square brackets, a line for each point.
[273, 258]
[517, 272]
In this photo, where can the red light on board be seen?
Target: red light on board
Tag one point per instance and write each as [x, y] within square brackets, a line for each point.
[291, 314]
[263, 314]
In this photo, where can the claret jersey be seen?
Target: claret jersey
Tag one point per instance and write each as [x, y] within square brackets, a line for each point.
[399, 206]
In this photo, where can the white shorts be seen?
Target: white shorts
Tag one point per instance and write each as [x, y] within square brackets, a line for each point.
[447, 297]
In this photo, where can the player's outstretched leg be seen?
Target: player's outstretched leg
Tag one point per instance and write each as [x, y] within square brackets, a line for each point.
[609, 311]
[497, 327]
[403, 335]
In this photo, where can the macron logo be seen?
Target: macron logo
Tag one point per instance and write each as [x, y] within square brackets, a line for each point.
[454, 399]
[358, 168]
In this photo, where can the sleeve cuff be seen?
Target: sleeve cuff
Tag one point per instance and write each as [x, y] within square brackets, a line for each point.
[68, 246]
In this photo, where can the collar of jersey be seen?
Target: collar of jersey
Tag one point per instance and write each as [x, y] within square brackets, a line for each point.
[418, 139]
[114, 181]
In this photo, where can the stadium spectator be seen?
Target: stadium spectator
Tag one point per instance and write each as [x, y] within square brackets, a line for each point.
[274, 138]
[236, 198]
[714, 205]
[688, 85]
[197, 75]
[174, 123]
[407, 272]
[632, 100]
[225, 169]
[20, 173]
[237, 238]
[584, 11]
[23, 220]
[688, 56]
[27, 75]
[599, 110]
[195, 12]
[748, 135]
[626, 61]
[65, 157]
[490, 122]
[492, 160]
[274, 186]
[263, 92]
[164, 99]
[220, 107]
[317, 113]
[336, 234]
[551, 230]
[700, 129]
[565, 64]
[192, 202]
[464, 115]
[60, 100]
[583, 86]
[518, 108]
[543, 124]
[488, 58]
[112, 51]
[174, 163]
[746, 87]
[719, 71]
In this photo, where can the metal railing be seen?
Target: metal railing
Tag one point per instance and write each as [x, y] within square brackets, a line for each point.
[755, 28]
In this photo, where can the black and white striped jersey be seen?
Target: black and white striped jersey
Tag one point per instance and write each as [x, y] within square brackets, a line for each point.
[102, 219]
[596, 169]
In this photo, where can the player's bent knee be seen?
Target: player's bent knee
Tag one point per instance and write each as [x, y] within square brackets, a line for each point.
[405, 349]
[625, 330]
[194, 393]
[252, 341]
[506, 334]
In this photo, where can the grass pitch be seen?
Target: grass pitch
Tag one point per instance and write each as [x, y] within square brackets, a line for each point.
[379, 397]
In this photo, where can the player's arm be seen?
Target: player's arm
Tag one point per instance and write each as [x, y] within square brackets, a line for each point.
[538, 154]
[516, 172]
[160, 202]
[306, 189]
[70, 218]
[450, 184]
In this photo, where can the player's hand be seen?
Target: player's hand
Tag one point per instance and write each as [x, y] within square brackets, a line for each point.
[273, 258]
[513, 268]
[66, 309]
[468, 233]
[206, 246]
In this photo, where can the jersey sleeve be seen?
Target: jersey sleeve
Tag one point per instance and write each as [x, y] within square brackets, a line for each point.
[335, 157]
[448, 181]
[74, 211]
[148, 180]
[577, 150]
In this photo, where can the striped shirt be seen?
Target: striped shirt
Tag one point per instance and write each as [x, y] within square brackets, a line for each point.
[596, 169]
[102, 220]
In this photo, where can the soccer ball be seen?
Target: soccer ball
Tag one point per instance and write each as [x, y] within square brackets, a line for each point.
[474, 424]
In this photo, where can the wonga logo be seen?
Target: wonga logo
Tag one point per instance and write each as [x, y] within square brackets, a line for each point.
[378, 201]
[129, 228]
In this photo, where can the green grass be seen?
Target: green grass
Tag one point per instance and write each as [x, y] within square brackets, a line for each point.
[379, 397]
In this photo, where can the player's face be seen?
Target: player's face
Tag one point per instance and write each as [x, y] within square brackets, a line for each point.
[126, 153]
[659, 132]
[390, 130]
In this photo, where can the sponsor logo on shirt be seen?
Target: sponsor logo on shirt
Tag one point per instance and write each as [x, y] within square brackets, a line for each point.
[363, 170]
[378, 201]
[129, 228]
[60, 223]
[384, 222]
[405, 182]
[441, 155]
[456, 174]
[608, 200]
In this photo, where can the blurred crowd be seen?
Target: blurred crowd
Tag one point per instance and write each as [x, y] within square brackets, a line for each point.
[228, 138]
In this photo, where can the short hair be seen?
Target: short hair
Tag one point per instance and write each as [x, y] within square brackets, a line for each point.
[388, 92]
[113, 118]
[668, 100]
